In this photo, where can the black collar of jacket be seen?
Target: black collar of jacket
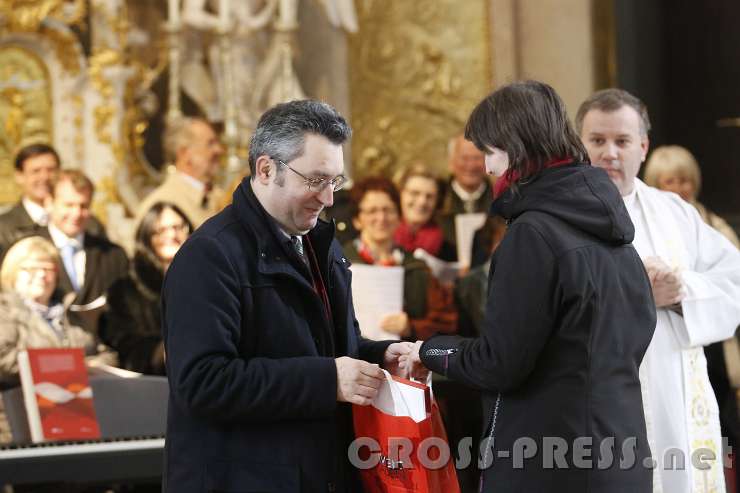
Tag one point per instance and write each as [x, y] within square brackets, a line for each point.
[507, 204]
[269, 237]
[577, 194]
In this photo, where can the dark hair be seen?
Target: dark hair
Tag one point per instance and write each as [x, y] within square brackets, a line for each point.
[372, 184]
[609, 100]
[281, 130]
[34, 150]
[527, 120]
[148, 224]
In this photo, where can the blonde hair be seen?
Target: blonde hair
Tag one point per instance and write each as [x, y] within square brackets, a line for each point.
[33, 246]
[668, 160]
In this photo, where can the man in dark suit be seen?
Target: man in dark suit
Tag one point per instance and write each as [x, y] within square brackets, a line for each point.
[468, 189]
[264, 353]
[36, 168]
[91, 263]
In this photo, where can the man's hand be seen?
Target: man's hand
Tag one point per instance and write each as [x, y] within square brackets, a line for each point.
[393, 356]
[396, 323]
[665, 282]
[412, 365]
[357, 381]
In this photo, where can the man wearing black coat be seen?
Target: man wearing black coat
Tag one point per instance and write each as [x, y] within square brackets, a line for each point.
[263, 349]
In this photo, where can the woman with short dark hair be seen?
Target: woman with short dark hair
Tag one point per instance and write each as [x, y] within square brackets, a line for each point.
[133, 321]
[569, 313]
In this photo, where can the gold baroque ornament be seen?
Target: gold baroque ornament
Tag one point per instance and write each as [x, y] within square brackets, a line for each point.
[103, 113]
[66, 47]
[27, 15]
[25, 109]
[416, 71]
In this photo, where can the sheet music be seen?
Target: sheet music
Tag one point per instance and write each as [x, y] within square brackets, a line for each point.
[400, 397]
[95, 304]
[445, 272]
[465, 227]
[96, 367]
[376, 291]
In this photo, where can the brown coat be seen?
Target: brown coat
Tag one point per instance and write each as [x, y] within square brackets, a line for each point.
[176, 190]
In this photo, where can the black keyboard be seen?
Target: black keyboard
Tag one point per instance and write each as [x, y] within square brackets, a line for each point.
[138, 458]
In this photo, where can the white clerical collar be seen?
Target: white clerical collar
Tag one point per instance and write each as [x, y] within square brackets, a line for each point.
[468, 196]
[194, 182]
[630, 199]
[60, 239]
[38, 213]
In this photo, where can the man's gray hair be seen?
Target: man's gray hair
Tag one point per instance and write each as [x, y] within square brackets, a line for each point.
[281, 130]
[609, 100]
[178, 134]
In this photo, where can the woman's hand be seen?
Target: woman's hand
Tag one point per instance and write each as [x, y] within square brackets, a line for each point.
[396, 323]
[411, 364]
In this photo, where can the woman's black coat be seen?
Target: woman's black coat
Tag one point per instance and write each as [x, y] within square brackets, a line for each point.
[133, 321]
[569, 316]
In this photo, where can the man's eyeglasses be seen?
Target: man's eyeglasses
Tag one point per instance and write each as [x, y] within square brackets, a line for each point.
[318, 185]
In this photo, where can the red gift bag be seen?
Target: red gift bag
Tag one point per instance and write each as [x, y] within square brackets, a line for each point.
[404, 444]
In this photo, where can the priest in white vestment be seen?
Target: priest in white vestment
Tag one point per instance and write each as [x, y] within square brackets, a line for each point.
[695, 275]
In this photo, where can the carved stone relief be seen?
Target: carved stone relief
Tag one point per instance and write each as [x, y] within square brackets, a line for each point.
[416, 71]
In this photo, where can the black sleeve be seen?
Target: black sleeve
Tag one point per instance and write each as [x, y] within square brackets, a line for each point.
[520, 315]
[128, 330]
[202, 306]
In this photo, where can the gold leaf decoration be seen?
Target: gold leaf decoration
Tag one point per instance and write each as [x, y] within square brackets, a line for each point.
[26, 109]
[416, 71]
[28, 15]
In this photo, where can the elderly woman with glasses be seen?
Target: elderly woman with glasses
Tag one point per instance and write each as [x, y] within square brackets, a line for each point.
[33, 313]
[134, 319]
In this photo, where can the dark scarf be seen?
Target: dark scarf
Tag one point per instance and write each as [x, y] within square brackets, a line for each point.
[147, 273]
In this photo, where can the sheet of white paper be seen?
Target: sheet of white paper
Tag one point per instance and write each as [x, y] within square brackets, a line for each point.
[98, 302]
[376, 291]
[400, 399]
[465, 227]
[445, 272]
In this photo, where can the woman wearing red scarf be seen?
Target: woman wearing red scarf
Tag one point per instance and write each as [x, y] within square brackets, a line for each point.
[420, 192]
[428, 306]
[569, 312]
